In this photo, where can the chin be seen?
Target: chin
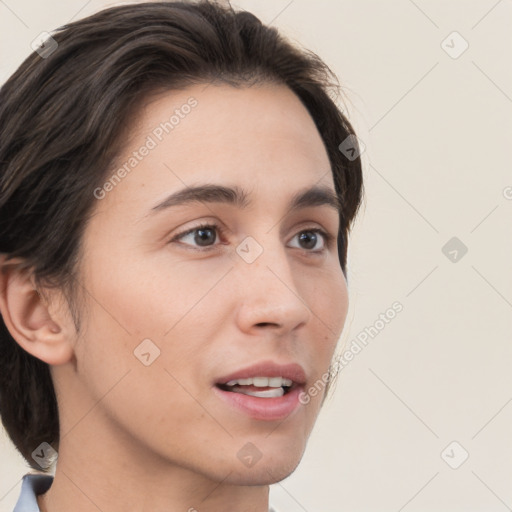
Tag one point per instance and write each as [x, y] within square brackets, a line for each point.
[263, 472]
[273, 464]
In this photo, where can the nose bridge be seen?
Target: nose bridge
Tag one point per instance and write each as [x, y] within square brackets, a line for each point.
[269, 292]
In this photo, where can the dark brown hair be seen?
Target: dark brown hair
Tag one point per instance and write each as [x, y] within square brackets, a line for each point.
[61, 117]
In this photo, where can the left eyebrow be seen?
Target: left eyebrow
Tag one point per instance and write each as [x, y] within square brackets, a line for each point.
[214, 193]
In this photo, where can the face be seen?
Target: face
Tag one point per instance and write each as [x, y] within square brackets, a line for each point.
[175, 310]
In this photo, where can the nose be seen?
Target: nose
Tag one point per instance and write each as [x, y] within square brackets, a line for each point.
[269, 293]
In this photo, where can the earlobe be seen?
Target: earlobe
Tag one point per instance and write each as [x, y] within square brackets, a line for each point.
[28, 318]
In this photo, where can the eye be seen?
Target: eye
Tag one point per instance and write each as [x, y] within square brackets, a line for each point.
[204, 236]
[309, 238]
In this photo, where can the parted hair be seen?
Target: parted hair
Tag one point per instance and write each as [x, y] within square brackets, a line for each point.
[62, 115]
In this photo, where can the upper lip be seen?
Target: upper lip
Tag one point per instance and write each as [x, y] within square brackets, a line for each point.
[292, 371]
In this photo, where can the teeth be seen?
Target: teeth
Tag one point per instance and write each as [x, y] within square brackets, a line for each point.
[274, 382]
[267, 393]
[261, 382]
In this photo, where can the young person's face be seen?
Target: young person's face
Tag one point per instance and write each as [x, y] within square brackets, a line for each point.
[210, 301]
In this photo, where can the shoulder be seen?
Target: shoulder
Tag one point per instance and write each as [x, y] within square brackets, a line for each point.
[32, 485]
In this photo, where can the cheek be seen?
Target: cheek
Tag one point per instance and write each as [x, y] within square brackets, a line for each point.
[328, 299]
[140, 298]
[145, 306]
[111, 360]
[340, 306]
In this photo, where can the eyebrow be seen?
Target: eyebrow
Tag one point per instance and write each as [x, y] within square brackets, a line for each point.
[213, 193]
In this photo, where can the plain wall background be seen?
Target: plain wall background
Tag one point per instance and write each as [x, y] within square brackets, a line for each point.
[437, 132]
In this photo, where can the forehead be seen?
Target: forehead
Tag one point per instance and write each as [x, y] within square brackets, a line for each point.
[260, 137]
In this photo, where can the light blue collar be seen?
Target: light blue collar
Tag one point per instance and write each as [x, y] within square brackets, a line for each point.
[31, 486]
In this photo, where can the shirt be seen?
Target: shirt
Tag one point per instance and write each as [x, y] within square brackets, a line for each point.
[33, 485]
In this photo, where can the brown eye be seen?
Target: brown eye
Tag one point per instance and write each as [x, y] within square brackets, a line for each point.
[204, 235]
[309, 239]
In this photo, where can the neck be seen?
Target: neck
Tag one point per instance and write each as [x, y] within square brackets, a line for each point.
[92, 483]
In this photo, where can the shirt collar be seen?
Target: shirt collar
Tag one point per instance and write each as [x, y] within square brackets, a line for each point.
[31, 486]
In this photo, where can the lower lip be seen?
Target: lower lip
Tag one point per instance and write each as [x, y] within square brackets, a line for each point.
[267, 409]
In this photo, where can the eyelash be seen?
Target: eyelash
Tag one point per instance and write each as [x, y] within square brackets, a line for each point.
[328, 238]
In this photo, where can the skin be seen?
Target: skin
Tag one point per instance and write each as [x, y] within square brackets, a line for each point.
[156, 438]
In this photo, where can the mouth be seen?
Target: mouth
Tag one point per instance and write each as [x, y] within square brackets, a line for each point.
[261, 387]
[265, 391]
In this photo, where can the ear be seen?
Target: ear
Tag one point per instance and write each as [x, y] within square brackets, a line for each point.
[35, 324]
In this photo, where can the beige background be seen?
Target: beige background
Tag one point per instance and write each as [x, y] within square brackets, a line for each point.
[437, 132]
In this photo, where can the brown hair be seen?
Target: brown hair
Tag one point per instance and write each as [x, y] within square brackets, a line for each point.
[61, 116]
